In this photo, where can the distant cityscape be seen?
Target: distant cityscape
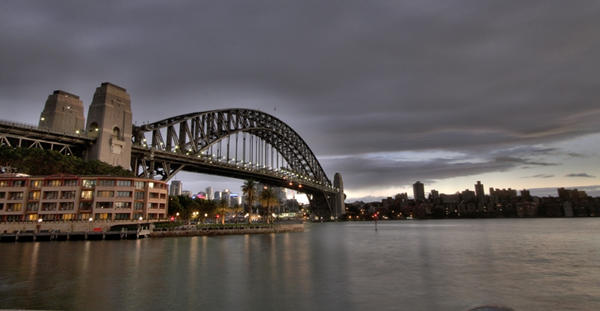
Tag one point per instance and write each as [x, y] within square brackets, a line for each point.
[475, 204]
[233, 199]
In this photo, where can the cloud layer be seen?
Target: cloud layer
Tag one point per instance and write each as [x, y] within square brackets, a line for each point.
[356, 79]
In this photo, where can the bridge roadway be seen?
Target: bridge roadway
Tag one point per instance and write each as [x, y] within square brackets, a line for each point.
[234, 169]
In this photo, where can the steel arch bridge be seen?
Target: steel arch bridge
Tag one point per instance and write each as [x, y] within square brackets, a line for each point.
[238, 143]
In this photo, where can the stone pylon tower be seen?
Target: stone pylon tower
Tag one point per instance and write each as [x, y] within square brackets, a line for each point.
[63, 112]
[340, 197]
[109, 119]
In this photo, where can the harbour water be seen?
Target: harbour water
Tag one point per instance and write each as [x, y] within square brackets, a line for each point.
[525, 264]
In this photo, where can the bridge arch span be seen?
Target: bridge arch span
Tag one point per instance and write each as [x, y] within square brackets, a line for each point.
[193, 134]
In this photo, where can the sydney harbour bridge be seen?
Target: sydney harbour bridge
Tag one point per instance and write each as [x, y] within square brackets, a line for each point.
[237, 143]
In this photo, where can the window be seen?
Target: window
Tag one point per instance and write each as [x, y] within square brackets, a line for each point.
[139, 185]
[124, 194]
[150, 185]
[139, 195]
[103, 216]
[122, 204]
[84, 216]
[50, 195]
[139, 205]
[36, 183]
[15, 195]
[116, 132]
[33, 206]
[153, 205]
[50, 217]
[106, 194]
[153, 195]
[2, 195]
[68, 216]
[48, 206]
[87, 194]
[162, 205]
[1, 206]
[18, 183]
[34, 195]
[14, 207]
[85, 205]
[122, 216]
[104, 204]
[124, 183]
[106, 183]
[3, 183]
[67, 195]
[70, 182]
[163, 196]
[138, 216]
[32, 217]
[66, 206]
[53, 183]
[88, 183]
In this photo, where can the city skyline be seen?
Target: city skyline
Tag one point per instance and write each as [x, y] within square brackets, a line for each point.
[391, 93]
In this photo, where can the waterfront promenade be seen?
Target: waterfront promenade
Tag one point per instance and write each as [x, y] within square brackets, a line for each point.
[119, 230]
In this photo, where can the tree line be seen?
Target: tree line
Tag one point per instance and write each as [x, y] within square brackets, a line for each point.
[35, 161]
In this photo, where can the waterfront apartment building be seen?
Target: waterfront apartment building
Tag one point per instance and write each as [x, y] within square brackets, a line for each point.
[71, 197]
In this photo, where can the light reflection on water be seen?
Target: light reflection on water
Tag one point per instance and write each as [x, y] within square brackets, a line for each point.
[536, 264]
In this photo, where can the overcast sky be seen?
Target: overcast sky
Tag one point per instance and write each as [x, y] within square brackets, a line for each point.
[385, 92]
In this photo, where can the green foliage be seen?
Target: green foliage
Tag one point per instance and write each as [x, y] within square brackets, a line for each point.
[36, 161]
[185, 206]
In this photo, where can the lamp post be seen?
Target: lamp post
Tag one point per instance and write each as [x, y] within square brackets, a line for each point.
[90, 223]
[39, 225]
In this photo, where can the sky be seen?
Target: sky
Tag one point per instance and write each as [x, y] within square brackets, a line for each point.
[384, 92]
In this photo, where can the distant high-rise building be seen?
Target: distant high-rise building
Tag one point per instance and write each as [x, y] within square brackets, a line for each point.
[175, 188]
[210, 195]
[226, 195]
[434, 194]
[479, 193]
[468, 195]
[419, 191]
[217, 196]
[186, 193]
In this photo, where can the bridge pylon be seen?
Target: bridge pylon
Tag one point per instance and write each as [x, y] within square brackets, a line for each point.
[109, 121]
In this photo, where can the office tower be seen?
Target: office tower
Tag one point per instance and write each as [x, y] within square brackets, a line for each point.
[175, 188]
[419, 191]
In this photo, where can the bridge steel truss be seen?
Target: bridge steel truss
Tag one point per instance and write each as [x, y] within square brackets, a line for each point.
[25, 136]
[163, 148]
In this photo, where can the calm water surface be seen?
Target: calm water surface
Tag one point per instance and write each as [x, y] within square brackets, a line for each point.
[537, 264]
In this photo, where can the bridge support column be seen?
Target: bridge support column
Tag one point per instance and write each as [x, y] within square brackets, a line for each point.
[339, 207]
[109, 119]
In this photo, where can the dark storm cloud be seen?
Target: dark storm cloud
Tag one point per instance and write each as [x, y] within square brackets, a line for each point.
[367, 172]
[540, 176]
[352, 77]
[580, 175]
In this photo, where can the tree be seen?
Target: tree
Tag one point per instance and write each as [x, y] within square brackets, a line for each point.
[268, 199]
[249, 190]
[222, 207]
